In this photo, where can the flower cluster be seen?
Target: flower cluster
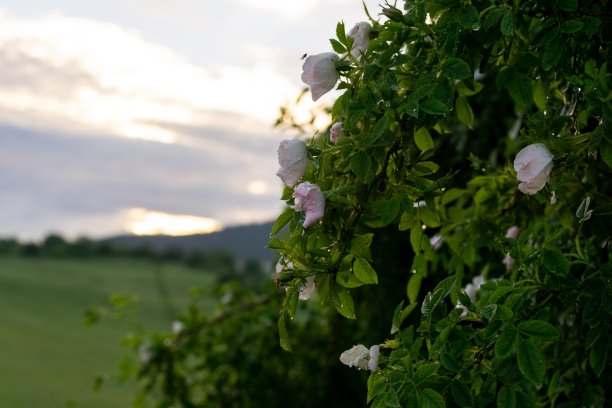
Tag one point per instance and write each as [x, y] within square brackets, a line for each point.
[361, 357]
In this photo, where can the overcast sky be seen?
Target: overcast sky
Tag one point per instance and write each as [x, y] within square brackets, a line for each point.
[111, 110]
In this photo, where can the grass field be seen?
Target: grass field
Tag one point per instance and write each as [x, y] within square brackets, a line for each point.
[48, 357]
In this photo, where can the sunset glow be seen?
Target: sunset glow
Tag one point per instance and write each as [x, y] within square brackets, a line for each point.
[141, 221]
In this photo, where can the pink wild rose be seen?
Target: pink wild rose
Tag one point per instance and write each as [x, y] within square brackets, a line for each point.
[293, 160]
[320, 73]
[533, 165]
[360, 34]
[310, 199]
[336, 132]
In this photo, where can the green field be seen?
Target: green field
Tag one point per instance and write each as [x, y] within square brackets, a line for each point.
[48, 357]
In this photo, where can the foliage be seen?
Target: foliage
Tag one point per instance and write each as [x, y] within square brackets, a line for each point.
[432, 114]
[420, 198]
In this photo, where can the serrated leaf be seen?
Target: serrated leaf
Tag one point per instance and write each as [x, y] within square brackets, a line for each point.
[464, 112]
[364, 271]
[462, 395]
[431, 399]
[505, 343]
[282, 333]
[337, 46]
[450, 363]
[343, 301]
[552, 54]
[531, 361]
[555, 262]
[506, 398]
[340, 32]
[424, 372]
[376, 384]
[520, 90]
[360, 246]
[434, 107]
[507, 25]
[282, 220]
[538, 329]
[456, 68]
[379, 128]
[361, 165]
[423, 139]
[488, 312]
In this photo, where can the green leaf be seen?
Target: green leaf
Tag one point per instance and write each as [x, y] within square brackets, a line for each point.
[282, 333]
[343, 301]
[462, 395]
[423, 139]
[282, 220]
[540, 96]
[464, 112]
[425, 371]
[337, 46]
[539, 329]
[571, 26]
[414, 286]
[391, 400]
[552, 54]
[456, 68]
[569, 5]
[507, 25]
[341, 32]
[364, 272]
[506, 398]
[505, 343]
[379, 128]
[361, 165]
[531, 361]
[431, 399]
[434, 107]
[416, 236]
[360, 246]
[376, 384]
[467, 16]
[606, 153]
[520, 90]
[598, 356]
[555, 262]
[488, 312]
[450, 363]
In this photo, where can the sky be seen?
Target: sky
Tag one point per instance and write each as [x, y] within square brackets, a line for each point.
[150, 116]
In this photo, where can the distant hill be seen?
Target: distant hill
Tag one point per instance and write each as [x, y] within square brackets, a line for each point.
[244, 242]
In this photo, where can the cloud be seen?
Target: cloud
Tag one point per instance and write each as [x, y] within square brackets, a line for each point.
[86, 74]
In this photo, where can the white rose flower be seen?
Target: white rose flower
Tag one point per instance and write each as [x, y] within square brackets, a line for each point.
[293, 160]
[533, 165]
[374, 354]
[310, 199]
[335, 132]
[353, 356]
[320, 73]
[361, 38]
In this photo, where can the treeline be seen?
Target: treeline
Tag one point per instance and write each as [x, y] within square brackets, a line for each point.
[225, 265]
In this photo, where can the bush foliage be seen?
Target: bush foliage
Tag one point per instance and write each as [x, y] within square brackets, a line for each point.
[420, 195]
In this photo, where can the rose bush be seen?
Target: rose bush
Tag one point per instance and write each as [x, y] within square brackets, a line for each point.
[436, 113]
